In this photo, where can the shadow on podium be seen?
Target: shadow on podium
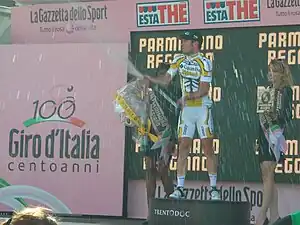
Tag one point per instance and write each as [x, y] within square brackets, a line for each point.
[195, 212]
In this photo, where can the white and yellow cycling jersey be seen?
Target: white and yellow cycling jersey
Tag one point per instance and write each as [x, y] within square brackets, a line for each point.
[192, 70]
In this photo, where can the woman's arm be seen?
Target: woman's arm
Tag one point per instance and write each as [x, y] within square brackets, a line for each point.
[285, 114]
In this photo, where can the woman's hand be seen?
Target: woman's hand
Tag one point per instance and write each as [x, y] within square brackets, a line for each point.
[180, 102]
[267, 111]
[146, 81]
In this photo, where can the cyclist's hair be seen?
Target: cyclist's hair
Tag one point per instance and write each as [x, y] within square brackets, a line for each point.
[282, 70]
[32, 216]
[162, 68]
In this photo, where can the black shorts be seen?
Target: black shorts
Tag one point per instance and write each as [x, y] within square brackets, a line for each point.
[155, 157]
[264, 151]
[156, 152]
[287, 220]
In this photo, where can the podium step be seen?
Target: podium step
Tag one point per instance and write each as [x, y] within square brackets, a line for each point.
[194, 212]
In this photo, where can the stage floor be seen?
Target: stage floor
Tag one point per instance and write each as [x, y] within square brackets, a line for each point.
[105, 222]
[85, 221]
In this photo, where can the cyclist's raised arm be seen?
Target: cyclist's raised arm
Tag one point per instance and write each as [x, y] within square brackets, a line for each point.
[170, 74]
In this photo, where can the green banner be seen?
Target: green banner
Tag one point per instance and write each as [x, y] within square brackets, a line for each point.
[240, 58]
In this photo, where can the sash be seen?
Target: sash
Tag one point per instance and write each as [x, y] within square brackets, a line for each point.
[269, 99]
[275, 138]
[157, 116]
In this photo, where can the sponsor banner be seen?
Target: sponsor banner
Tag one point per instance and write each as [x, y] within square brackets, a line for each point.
[239, 70]
[163, 13]
[51, 1]
[92, 21]
[198, 190]
[216, 11]
[288, 10]
[58, 132]
[69, 22]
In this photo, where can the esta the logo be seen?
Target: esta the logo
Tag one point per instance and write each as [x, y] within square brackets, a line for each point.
[162, 13]
[231, 11]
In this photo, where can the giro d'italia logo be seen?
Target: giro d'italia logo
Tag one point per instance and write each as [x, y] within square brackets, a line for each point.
[56, 109]
[36, 148]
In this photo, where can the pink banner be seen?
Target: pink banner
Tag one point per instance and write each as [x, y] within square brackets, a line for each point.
[85, 22]
[61, 144]
[112, 21]
[137, 205]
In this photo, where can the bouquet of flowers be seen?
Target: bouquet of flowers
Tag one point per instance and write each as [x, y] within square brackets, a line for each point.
[138, 107]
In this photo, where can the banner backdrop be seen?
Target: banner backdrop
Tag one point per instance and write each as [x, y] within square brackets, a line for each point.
[233, 191]
[240, 58]
[58, 134]
[92, 21]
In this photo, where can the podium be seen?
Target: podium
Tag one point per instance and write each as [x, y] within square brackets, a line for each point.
[195, 212]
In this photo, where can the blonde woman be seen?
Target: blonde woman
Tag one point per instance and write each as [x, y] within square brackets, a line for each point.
[271, 141]
[158, 160]
[32, 216]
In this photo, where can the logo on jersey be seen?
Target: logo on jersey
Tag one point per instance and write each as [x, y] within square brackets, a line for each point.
[162, 13]
[190, 69]
[225, 11]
